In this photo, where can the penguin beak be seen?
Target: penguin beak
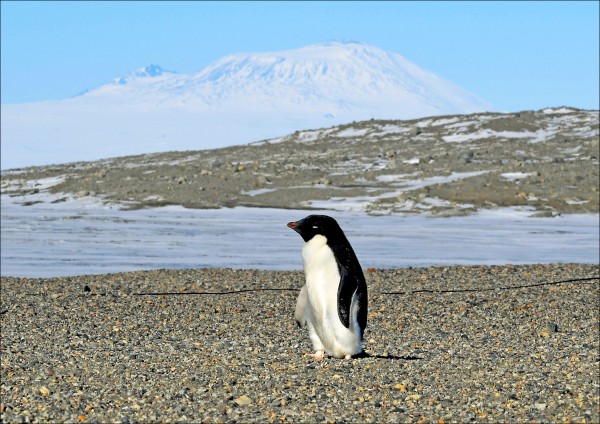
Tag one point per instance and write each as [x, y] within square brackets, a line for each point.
[294, 226]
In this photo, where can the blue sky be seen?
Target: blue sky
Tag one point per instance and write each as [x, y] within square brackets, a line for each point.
[516, 55]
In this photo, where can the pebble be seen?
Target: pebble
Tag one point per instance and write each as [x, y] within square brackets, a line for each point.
[243, 400]
[110, 355]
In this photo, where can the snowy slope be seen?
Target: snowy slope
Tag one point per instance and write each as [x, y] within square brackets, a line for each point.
[236, 100]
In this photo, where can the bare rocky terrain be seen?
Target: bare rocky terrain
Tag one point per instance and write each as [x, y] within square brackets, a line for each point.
[444, 344]
[546, 160]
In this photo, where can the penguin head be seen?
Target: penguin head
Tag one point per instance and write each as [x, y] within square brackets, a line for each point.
[314, 225]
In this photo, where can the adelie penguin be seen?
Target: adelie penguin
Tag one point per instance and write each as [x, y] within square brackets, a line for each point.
[333, 302]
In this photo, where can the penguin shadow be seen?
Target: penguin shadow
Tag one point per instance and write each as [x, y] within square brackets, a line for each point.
[387, 357]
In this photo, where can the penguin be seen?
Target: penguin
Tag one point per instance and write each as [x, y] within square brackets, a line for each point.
[333, 302]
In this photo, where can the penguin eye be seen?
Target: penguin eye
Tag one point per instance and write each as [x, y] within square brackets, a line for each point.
[316, 227]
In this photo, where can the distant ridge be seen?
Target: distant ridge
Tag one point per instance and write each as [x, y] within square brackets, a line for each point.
[238, 99]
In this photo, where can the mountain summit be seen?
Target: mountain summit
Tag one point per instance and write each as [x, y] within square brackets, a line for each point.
[344, 76]
[237, 99]
[341, 78]
[147, 71]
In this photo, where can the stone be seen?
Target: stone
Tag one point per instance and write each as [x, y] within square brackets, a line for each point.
[243, 400]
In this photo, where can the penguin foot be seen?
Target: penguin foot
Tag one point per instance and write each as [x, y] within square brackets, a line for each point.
[318, 355]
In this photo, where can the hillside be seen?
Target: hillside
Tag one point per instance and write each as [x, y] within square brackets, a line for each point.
[545, 160]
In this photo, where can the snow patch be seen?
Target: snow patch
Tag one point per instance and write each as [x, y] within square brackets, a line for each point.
[352, 132]
[413, 161]
[257, 191]
[534, 137]
[576, 202]
[514, 176]
[360, 203]
[388, 130]
[80, 239]
[561, 110]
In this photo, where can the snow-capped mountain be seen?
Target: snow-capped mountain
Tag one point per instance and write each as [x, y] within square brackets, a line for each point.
[238, 99]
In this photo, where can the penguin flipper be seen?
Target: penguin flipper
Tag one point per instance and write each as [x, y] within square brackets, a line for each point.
[300, 313]
[346, 290]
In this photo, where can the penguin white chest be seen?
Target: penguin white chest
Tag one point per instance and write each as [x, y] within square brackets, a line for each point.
[326, 331]
[322, 277]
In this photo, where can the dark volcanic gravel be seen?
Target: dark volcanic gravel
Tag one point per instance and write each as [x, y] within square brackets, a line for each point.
[91, 348]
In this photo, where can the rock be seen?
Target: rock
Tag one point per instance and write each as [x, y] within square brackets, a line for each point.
[243, 400]
[415, 131]
[289, 412]
[323, 181]
[261, 181]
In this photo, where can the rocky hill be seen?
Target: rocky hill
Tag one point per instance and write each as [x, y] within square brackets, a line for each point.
[546, 160]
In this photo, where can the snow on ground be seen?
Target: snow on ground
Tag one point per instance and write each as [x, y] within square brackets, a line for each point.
[258, 191]
[389, 129]
[513, 176]
[40, 184]
[558, 110]
[353, 132]
[73, 238]
[64, 234]
[487, 133]
[412, 161]
[359, 204]
[38, 192]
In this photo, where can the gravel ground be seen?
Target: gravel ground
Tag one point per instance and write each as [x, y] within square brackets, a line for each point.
[90, 348]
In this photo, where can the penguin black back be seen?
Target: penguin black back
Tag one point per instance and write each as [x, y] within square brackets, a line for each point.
[352, 279]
